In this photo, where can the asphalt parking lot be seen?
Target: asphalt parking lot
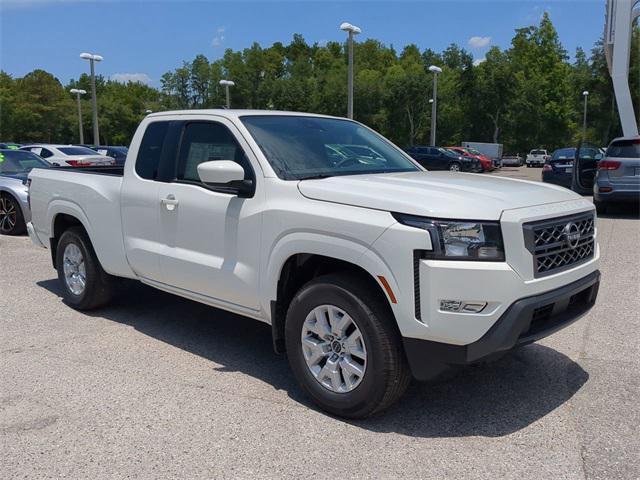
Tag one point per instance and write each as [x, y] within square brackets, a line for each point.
[156, 387]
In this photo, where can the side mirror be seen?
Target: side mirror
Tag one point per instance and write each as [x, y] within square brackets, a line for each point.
[220, 172]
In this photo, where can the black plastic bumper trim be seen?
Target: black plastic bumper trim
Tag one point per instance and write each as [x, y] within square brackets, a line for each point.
[525, 321]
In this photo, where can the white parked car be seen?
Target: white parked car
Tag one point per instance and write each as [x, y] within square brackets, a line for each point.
[536, 158]
[69, 155]
[369, 269]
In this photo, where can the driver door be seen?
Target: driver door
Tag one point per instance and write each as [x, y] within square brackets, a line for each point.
[211, 237]
[586, 161]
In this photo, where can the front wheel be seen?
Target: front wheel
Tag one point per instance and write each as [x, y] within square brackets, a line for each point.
[344, 348]
[454, 167]
[85, 284]
[11, 219]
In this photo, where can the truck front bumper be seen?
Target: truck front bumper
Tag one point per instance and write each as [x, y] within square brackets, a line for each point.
[525, 321]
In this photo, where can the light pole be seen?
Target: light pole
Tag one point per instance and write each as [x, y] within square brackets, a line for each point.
[227, 84]
[79, 92]
[351, 30]
[94, 102]
[434, 105]
[585, 94]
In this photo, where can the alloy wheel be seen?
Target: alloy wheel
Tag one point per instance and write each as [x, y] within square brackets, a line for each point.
[334, 349]
[8, 215]
[75, 274]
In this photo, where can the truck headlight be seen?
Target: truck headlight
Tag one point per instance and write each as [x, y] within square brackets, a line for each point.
[459, 239]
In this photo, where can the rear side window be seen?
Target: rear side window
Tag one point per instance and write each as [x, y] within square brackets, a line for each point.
[205, 142]
[624, 149]
[151, 149]
[563, 154]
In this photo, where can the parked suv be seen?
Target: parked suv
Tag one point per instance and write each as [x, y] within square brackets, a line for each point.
[437, 158]
[618, 175]
[369, 269]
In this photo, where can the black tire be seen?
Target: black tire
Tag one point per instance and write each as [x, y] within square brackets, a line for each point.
[11, 218]
[455, 167]
[99, 284]
[387, 373]
[601, 207]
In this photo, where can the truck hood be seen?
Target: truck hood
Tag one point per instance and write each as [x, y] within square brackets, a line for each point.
[435, 194]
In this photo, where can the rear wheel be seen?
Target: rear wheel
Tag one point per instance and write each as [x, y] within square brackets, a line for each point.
[86, 285]
[11, 218]
[344, 348]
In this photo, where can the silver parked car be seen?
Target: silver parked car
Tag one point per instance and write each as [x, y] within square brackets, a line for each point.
[618, 175]
[15, 166]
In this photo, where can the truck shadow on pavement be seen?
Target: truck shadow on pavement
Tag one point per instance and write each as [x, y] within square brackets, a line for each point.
[490, 400]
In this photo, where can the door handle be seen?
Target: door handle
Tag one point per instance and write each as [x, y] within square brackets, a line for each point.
[170, 202]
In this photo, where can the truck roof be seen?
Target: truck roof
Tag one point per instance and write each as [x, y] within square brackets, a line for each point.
[236, 113]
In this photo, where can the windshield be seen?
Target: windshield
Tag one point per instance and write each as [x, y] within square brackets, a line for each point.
[473, 151]
[73, 151]
[19, 161]
[300, 147]
[624, 149]
[448, 153]
[538, 152]
[563, 154]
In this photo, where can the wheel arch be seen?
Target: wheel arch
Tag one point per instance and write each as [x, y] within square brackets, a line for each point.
[299, 268]
[61, 222]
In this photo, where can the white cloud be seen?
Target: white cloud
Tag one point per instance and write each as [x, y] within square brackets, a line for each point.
[478, 61]
[219, 38]
[131, 77]
[479, 42]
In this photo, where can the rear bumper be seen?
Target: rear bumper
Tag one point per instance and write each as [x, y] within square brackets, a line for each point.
[626, 196]
[562, 179]
[525, 321]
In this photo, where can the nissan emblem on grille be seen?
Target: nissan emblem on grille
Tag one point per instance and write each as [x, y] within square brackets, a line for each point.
[560, 243]
[571, 234]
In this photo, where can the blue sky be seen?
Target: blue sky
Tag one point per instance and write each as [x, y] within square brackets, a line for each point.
[143, 39]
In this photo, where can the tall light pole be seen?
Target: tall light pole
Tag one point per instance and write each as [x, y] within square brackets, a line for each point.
[351, 30]
[79, 92]
[585, 94]
[434, 105]
[94, 102]
[227, 84]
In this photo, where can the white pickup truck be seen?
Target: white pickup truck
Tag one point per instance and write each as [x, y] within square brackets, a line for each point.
[369, 269]
[536, 158]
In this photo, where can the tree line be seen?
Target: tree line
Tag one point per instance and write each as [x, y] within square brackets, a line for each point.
[526, 96]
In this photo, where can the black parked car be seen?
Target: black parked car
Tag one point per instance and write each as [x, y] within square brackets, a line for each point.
[559, 168]
[438, 158]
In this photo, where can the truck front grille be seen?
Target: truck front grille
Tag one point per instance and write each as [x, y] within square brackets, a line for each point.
[560, 243]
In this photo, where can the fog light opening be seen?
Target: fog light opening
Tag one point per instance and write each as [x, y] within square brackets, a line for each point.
[462, 306]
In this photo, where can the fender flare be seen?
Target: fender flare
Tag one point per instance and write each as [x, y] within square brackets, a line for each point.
[314, 243]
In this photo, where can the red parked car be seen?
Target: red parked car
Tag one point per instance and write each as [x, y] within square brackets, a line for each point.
[485, 161]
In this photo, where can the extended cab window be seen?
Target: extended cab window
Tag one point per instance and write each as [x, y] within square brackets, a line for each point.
[151, 149]
[206, 142]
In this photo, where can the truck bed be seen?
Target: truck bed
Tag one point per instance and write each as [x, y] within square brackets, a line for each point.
[88, 194]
